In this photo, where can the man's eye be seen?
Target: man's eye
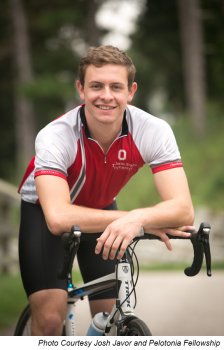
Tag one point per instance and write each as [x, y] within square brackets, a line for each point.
[116, 87]
[96, 86]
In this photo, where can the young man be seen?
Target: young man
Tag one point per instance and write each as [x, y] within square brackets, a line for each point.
[82, 161]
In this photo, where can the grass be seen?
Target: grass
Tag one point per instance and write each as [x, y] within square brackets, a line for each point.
[13, 298]
[203, 160]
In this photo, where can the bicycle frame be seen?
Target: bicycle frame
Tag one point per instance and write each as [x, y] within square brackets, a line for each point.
[121, 279]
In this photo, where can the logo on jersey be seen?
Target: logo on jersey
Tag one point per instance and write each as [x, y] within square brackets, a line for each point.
[122, 162]
[122, 154]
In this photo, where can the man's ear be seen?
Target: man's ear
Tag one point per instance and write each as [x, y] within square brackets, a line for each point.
[80, 89]
[132, 91]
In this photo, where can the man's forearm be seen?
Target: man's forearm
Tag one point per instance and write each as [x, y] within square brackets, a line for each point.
[170, 213]
[88, 219]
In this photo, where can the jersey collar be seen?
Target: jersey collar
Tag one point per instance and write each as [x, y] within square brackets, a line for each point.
[124, 131]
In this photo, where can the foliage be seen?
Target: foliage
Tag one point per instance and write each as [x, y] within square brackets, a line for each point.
[7, 146]
[213, 13]
[55, 39]
[13, 299]
[59, 32]
[157, 53]
[158, 59]
[203, 159]
[203, 162]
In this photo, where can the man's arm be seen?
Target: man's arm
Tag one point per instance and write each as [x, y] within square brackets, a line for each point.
[60, 214]
[173, 215]
[176, 208]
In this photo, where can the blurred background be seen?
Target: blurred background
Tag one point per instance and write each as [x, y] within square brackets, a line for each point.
[178, 49]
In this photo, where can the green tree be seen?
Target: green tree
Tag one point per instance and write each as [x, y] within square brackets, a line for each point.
[158, 51]
[59, 32]
[40, 47]
[23, 112]
[193, 61]
[213, 19]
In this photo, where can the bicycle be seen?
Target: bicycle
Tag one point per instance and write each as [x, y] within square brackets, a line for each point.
[122, 320]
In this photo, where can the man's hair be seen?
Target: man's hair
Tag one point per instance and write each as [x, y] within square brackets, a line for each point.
[106, 54]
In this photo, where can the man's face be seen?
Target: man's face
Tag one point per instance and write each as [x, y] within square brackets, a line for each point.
[106, 93]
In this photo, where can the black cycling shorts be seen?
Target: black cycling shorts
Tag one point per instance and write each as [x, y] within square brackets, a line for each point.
[41, 254]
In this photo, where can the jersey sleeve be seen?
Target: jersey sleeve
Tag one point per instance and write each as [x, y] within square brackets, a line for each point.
[164, 153]
[55, 151]
[157, 144]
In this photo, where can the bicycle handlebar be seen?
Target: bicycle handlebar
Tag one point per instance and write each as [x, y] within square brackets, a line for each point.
[201, 247]
[70, 243]
[199, 240]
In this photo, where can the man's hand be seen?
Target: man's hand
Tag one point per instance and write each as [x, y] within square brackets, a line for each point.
[179, 231]
[118, 235]
[116, 238]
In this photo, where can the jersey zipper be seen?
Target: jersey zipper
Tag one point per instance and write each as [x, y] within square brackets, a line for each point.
[105, 154]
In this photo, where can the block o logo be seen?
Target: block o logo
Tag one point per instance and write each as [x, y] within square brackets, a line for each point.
[122, 154]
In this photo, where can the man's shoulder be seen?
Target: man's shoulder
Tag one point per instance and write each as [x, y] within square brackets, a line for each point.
[139, 117]
[153, 136]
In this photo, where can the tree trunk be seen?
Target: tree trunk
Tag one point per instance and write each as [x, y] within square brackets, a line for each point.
[92, 33]
[24, 114]
[193, 61]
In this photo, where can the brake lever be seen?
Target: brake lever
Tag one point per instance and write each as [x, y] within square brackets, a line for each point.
[204, 237]
[70, 242]
[201, 246]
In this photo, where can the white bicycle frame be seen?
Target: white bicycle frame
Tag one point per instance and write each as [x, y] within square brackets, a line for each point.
[124, 305]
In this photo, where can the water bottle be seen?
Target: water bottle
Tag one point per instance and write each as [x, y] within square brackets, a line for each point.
[98, 324]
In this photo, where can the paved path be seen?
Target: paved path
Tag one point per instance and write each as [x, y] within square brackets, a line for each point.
[173, 304]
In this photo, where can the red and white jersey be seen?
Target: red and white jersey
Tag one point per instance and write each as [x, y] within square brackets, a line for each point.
[65, 148]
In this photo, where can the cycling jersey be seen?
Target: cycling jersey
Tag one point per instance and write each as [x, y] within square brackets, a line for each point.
[66, 149]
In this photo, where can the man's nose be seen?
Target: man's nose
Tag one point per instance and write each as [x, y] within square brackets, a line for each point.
[106, 93]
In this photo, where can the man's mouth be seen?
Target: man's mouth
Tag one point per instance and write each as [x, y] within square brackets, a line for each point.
[105, 108]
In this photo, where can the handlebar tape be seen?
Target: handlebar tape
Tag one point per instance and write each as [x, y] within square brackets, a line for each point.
[198, 257]
[201, 246]
[70, 244]
[65, 239]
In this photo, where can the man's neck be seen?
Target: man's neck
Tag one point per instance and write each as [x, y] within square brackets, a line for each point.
[103, 133]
